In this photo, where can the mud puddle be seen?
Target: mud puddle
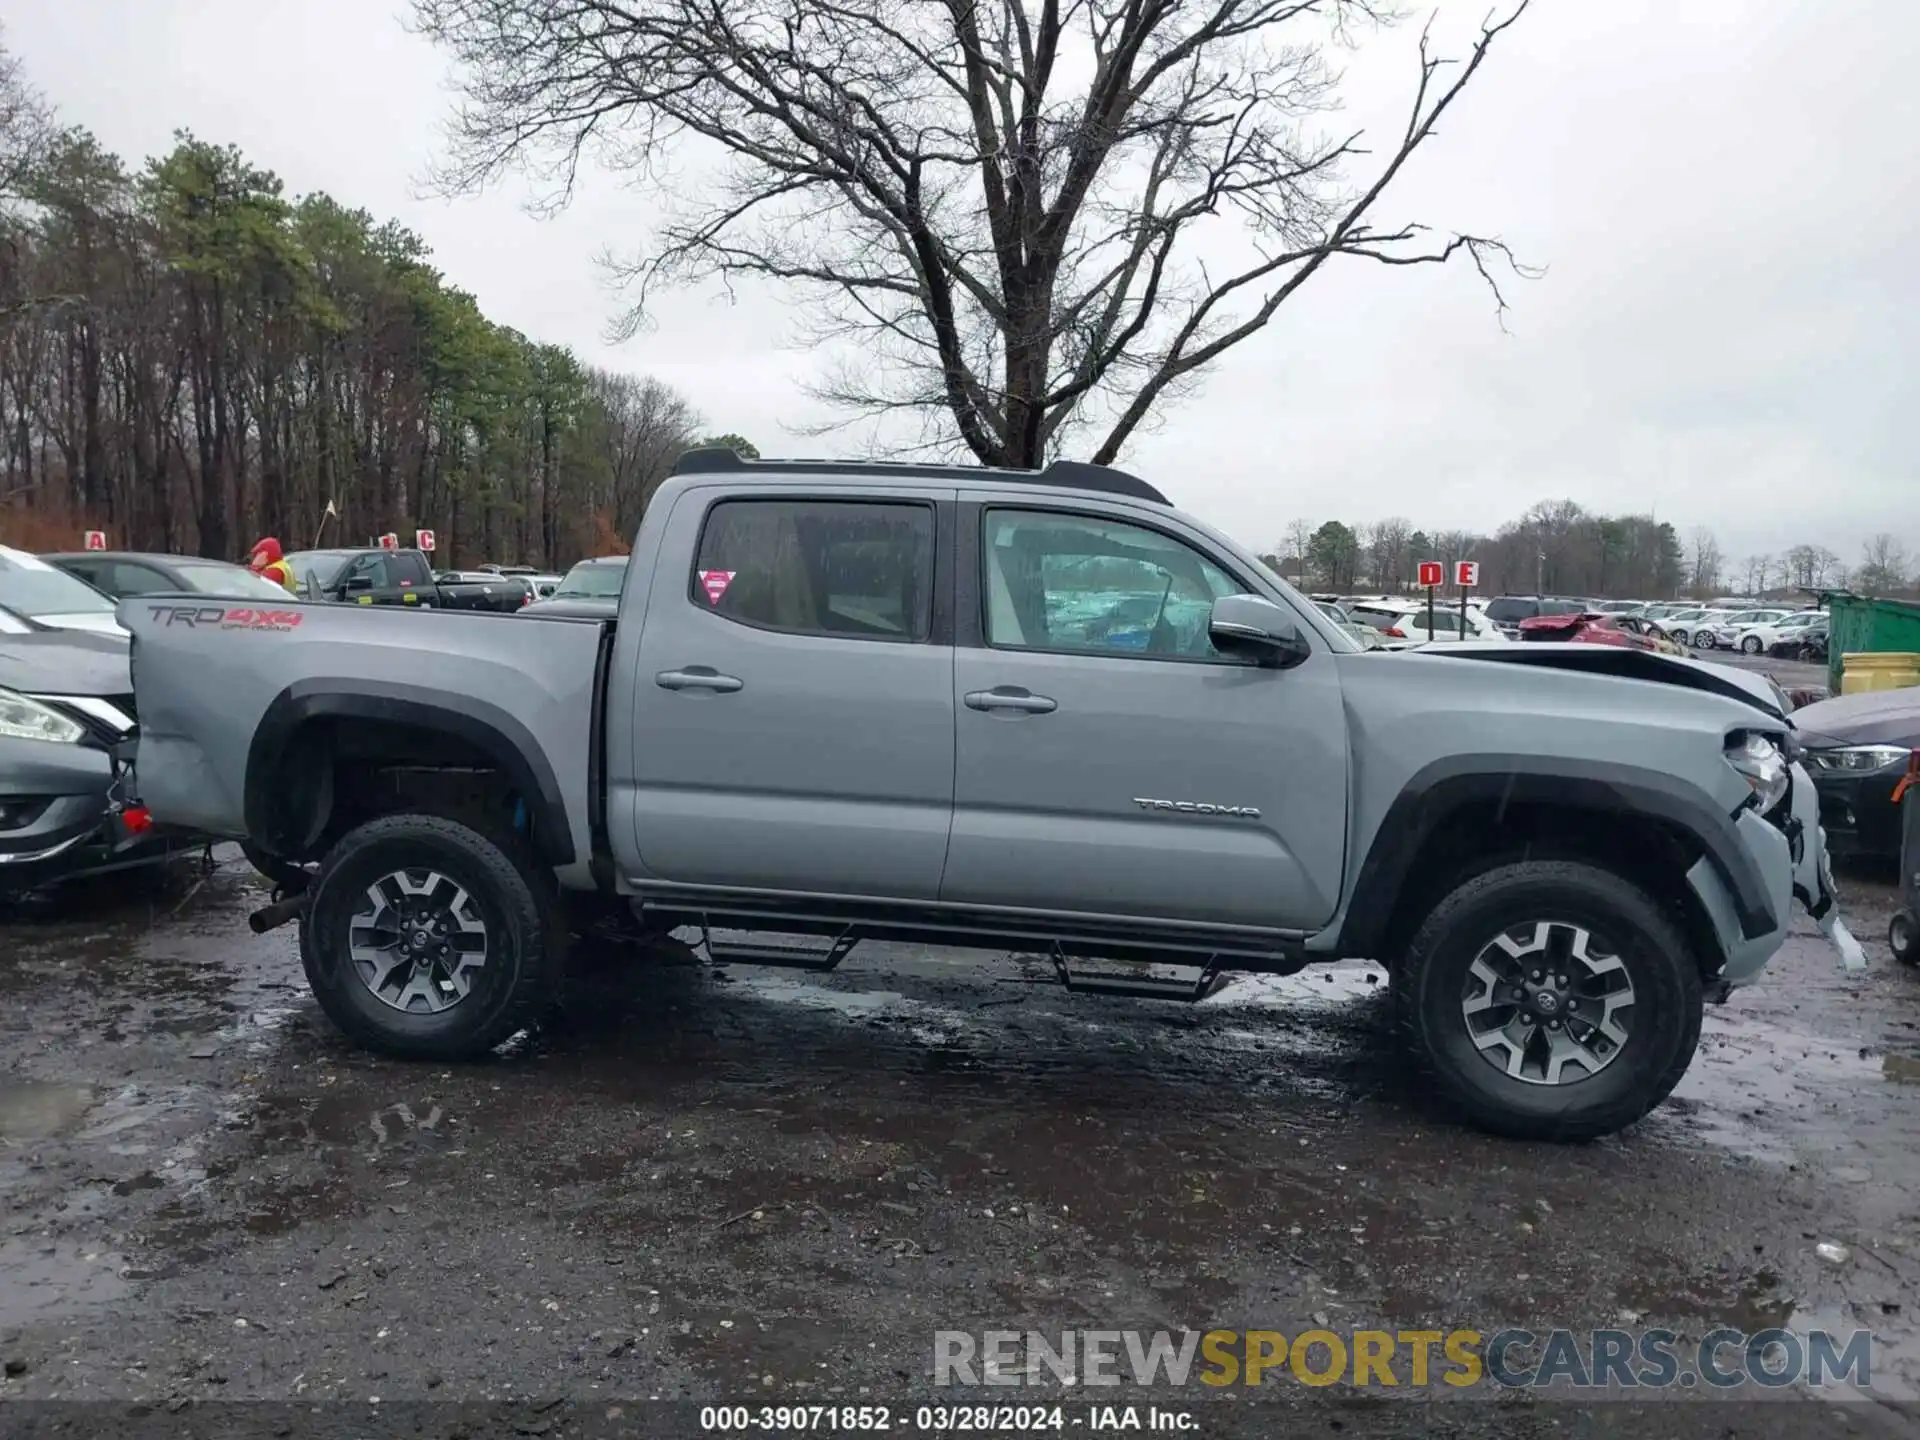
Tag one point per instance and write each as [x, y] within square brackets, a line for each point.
[38, 1110]
[42, 1280]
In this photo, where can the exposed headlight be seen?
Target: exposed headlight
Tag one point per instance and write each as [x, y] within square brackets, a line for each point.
[1762, 766]
[1860, 757]
[24, 719]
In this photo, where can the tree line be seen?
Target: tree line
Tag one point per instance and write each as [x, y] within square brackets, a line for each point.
[190, 359]
[1559, 548]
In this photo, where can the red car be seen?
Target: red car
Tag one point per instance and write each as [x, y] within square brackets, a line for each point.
[1590, 629]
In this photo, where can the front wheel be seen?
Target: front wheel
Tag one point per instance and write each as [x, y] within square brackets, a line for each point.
[425, 939]
[1552, 1000]
[1704, 640]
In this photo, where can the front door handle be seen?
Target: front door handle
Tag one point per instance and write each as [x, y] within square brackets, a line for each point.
[698, 677]
[1009, 697]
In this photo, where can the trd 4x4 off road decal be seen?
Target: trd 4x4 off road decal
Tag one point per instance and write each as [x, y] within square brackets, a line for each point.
[225, 617]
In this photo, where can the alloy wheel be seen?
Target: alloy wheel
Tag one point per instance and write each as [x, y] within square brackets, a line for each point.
[417, 940]
[1548, 1002]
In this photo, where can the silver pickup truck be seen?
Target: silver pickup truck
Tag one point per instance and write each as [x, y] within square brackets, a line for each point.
[1032, 711]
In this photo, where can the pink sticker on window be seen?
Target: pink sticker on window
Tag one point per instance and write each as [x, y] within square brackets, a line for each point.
[715, 583]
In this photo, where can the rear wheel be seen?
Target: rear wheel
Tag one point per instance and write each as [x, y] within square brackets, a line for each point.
[426, 939]
[1552, 1000]
[1679, 637]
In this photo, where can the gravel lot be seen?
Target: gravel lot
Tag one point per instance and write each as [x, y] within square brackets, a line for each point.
[726, 1185]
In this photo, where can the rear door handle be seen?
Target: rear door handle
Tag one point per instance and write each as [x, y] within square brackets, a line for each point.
[1009, 697]
[698, 677]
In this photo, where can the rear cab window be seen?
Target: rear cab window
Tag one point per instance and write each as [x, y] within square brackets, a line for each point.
[850, 569]
[407, 570]
[125, 577]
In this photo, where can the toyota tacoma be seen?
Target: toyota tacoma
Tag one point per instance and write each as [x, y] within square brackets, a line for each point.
[1038, 711]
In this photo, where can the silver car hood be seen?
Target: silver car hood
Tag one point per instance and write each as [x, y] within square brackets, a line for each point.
[66, 662]
[1754, 688]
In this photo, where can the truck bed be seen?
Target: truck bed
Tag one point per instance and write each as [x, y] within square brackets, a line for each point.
[221, 684]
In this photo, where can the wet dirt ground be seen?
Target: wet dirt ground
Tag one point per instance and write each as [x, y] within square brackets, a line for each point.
[759, 1186]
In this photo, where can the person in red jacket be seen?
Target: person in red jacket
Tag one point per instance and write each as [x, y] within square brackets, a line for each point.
[266, 560]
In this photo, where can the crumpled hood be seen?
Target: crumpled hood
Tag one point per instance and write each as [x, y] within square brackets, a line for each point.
[1874, 717]
[66, 662]
[1753, 688]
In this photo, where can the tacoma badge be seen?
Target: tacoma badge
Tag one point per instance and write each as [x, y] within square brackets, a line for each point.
[1199, 807]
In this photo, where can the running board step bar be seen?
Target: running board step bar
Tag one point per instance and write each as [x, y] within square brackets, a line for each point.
[818, 958]
[1144, 987]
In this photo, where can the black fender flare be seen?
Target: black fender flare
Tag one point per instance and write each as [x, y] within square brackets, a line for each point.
[1444, 787]
[491, 730]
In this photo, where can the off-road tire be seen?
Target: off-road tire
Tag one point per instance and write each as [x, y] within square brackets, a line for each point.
[527, 936]
[1665, 1029]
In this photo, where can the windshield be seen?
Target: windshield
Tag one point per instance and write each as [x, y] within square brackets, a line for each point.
[315, 569]
[33, 588]
[591, 581]
[211, 577]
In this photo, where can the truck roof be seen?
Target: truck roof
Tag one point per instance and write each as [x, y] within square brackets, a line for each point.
[1060, 474]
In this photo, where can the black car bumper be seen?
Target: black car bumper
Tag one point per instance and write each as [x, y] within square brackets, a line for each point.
[58, 821]
[1858, 813]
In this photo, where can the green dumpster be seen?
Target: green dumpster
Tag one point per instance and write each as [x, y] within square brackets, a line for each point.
[1860, 623]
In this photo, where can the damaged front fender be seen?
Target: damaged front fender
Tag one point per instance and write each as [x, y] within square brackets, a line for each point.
[1813, 883]
[1793, 856]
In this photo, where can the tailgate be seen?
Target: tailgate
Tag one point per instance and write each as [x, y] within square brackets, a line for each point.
[207, 675]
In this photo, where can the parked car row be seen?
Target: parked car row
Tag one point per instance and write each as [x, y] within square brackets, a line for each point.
[66, 709]
[66, 687]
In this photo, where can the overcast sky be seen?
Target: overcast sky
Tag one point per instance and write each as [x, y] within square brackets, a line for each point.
[1723, 192]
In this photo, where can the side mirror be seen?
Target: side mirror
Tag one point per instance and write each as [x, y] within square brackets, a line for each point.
[1257, 629]
[356, 583]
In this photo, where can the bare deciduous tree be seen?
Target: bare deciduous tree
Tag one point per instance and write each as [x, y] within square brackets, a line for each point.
[1809, 566]
[1387, 551]
[26, 127]
[1883, 566]
[998, 199]
[1299, 541]
[1706, 563]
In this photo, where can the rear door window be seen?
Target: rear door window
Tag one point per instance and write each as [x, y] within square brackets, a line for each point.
[854, 569]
